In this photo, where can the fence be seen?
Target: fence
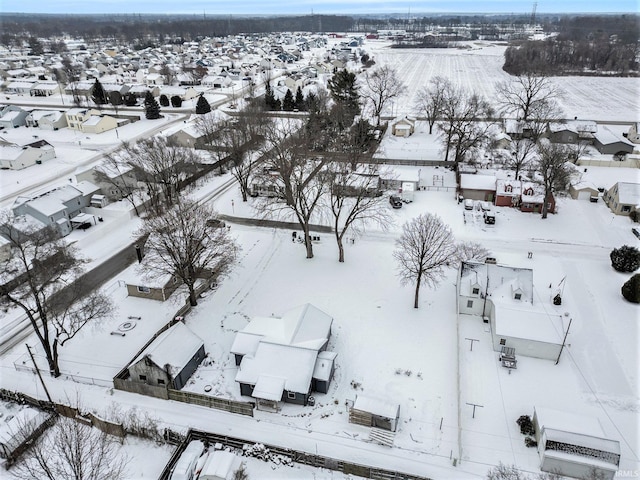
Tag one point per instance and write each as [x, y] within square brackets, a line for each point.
[89, 419]
[313, 460]
[259, 222]
[628, 163]
[232, 406]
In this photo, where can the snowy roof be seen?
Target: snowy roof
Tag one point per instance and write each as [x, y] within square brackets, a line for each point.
[606, 135]
[174, 347]
[293, 364]
[532, 193]
[629, 193]
[580, 459]
[575, 429]
[220, 465]
[303, 326]
[528, 323]
[503, 184]
[269, 388]
[324, 362]
[377, 406]
[10, 152]
[498, 280]
[86, 187]
[93, 120]
[478, 182]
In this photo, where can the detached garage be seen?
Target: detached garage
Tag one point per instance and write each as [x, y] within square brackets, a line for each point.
[574, 445]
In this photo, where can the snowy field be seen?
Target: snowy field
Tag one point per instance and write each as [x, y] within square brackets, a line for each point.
[478, 67]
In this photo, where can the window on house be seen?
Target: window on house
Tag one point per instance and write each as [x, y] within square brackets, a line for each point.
[476, 290]
[626, 208]
[143, 378]
[503, 341]
[144, 289]
[508, 188]
[160, 381]
[469, 303]
[291, 395]
[518, 296]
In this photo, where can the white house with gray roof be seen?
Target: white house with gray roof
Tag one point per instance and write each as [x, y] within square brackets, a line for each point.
[623, 197]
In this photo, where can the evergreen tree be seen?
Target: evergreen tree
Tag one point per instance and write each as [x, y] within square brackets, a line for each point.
[176, 101]
[269, 97]
[202, 106]
[631, 289]
[98, 95]
[344, 92]
[130, 100]
[164, 101]
[625, 258]
[300, 100]
[151, 107]
[288, 104]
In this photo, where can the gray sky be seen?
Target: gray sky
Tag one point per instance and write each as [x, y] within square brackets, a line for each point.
[252, 7]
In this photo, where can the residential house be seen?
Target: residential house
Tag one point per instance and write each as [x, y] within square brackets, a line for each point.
[17, 157]
[99, 123]
[375, 412]
[170, 360]
[532, 199]
[185, 93]
[623, 198]
[574, 445]
[562, 133]
[45, 89]
[34, 116]
[19, 87]
[77, 116]
[503, 296]
[142, 285]
[508, 192]
[284, 359]
[403, 127]
[608, 141]
[58, 207]
[13, 117]
[634, 133]
[478, 187]
[113, 183]
[53, 121]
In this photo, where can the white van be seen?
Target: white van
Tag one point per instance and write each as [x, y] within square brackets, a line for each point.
[185, 468]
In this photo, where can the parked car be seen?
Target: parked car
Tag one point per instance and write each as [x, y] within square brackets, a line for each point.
[489, 217]
[486, 206]
[635, 232]
[185, 468]
[468, 204]
[395, 201]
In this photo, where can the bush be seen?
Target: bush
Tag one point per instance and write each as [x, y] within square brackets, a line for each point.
[530, 442]
[176, 101]
[625, 259]
[526, 425]
[631, 289]
[164, 101]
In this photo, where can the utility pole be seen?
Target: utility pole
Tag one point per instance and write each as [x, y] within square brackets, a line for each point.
[564, 340]
[38, 372]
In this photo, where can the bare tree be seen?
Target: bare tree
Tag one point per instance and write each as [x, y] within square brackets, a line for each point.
[115, 172]
[71, 450]
[425, 248]
[467, 122]
[292, 176]
[355, 200]
[182, 244]
[169, 74]
[471, 251]
[39, 278]
[430, 100]
[523, 151]
[380, 87]
[521, 96]
[506, 472]
[163, 167]
[554, 170]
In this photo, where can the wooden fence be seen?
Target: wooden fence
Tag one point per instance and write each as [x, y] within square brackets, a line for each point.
[232, 406]
[297, 456]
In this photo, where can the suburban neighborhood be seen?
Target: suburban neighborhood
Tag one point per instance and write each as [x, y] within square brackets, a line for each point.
[369, 252]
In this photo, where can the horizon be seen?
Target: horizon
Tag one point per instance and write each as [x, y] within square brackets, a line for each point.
[256, 8]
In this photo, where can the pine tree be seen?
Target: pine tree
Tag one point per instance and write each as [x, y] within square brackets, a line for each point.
[164, 101]
[300, 100]
[631, 289]
[288, 104]
[269, 98]
[625, 258]
[151, 107]
[98, 95]
[176, 101]
[202, 106]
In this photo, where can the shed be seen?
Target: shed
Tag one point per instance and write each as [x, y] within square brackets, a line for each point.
[478, 187]
[220, 465]
[403, 127]
[375, 412]
[170, 359]
[574, 445]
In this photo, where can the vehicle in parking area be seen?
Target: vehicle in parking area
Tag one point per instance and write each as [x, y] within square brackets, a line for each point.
[635, 232]
[185, 467]
[395, 201]
[486, 206]
[489, 217]
[468, 204]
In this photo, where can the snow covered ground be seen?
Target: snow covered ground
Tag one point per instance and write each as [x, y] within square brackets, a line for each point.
[418, 358]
